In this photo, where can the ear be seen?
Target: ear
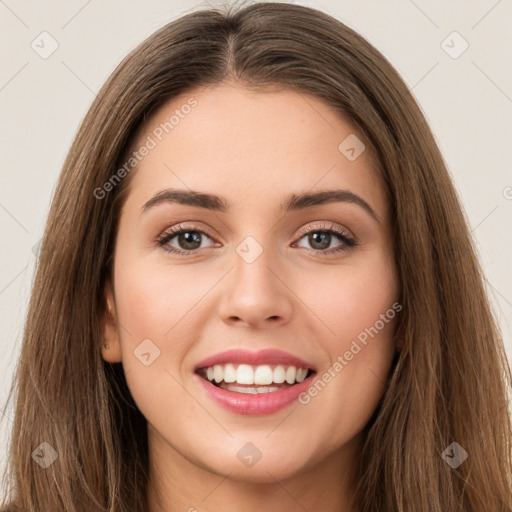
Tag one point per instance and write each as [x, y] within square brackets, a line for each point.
[111, 345]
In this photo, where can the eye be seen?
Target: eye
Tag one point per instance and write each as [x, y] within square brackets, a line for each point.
[320, 238]
[189, 238]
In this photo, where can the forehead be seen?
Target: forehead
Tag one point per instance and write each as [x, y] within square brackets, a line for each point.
[249, 146]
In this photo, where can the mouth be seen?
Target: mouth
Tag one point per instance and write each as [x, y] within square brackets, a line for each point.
[249, 379]
[261, 382]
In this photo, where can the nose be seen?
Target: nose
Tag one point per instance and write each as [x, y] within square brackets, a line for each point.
[256, 294]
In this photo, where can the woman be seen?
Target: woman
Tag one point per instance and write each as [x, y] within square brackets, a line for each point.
[257, 290]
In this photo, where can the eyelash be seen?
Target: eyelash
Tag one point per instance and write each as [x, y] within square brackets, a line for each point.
[348, 241]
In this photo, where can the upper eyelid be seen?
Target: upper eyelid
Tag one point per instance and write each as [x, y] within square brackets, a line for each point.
[348, 240]
[182, 226]
[327, 226]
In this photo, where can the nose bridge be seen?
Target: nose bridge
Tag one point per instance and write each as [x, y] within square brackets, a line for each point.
[253, 263]
[255, 292]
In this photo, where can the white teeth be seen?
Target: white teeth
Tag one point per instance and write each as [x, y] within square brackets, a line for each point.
[291, 373]
[279, 374]
[267, 389]
[250, 391]
[262, 375]
[218, 373]
[229, 373]
[244, 374]
[301, 374]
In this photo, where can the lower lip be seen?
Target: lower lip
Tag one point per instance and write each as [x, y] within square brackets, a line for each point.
[254, 404]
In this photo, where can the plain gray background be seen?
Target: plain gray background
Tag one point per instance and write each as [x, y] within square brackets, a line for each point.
[465, 94]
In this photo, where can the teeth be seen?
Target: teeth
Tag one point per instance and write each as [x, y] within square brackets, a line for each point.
[218, 373]
[244, 374]
[262, 375]
[291, 374]
[250, 391]
[229, 373]
[301, 374]
[279, 374]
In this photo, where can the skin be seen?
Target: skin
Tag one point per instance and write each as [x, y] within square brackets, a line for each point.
[254, 149]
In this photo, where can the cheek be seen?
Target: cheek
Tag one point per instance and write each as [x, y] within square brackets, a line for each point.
[151, 305]
[351, 298]
[358, 309]
[156, 326]
[156, 300]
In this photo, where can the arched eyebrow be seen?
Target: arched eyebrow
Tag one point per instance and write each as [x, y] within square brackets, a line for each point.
[294, 202]
[308, 200]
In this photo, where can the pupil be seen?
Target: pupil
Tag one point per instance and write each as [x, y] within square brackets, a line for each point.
[324, 239]
[320, 239]
[190, 237]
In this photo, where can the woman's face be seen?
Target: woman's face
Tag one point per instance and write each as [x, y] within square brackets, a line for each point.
[261, 283]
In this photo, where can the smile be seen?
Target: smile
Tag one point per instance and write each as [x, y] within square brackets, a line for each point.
[254, 383]
[244, 378]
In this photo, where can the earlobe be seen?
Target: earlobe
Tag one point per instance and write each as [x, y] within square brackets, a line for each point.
[110, 342]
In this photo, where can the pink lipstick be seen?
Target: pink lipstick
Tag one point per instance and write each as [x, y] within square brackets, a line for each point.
[254, 383]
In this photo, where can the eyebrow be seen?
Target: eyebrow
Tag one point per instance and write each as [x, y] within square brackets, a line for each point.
[294, 202]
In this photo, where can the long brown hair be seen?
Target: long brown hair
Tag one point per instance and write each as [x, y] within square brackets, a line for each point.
[450, 382]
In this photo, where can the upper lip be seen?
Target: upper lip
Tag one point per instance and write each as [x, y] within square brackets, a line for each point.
[269, 356]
